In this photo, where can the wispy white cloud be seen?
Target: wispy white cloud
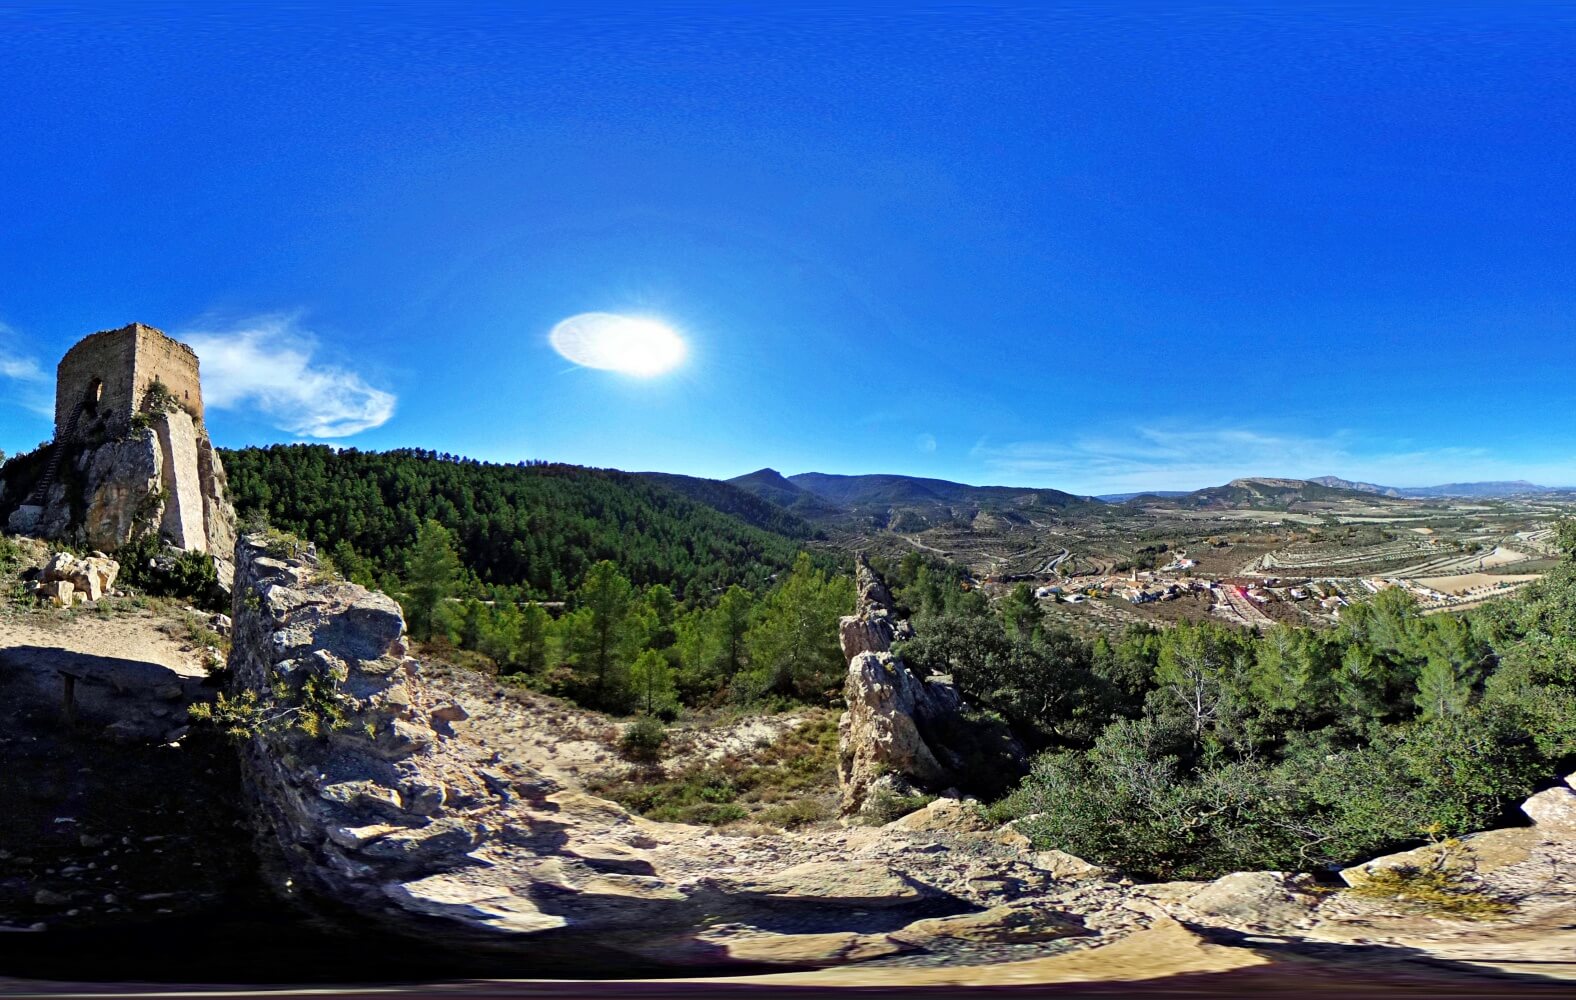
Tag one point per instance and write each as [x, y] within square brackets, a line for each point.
[21, 369]
[1154, 458]
[32, 391]
[268, 364]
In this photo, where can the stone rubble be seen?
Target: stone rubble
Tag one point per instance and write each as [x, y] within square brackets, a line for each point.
[67, 579]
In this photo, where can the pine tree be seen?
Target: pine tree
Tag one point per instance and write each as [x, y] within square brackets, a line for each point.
[601, 633]
[651, 680]
[432, 571]
[501, 637]
[729, 623]
[1021, 612]
[1200, 668]
[793, 646]
[530, 656]
[1446, 682]
[663, 610]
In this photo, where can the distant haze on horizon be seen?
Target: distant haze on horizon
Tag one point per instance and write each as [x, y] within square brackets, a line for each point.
[1166, 489]
[1092, 251]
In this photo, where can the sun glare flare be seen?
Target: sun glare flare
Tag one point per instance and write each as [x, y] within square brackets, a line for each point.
[629, 344]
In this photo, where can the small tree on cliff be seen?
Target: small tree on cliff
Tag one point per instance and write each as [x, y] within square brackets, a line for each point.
[432, 571]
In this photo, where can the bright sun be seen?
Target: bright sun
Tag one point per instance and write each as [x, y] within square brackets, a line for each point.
[628, 344]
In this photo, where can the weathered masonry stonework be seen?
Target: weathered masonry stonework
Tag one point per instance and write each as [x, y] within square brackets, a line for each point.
[110, 373]
[125, 464]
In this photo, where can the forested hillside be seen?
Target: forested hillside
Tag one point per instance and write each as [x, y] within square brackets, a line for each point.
[735, 502]
[533, 526]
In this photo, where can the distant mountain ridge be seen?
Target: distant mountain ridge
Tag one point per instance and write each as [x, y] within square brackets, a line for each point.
[1347, 484]
[886, 488]
[775, 488]
[904, 503]
[1124, 497]
[1254, 491]
[735, 501]
[821, 496]
[1492, 488]
[1517, 487]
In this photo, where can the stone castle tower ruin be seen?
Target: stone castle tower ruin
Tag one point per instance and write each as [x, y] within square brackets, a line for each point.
[108, 374]
[130, 455]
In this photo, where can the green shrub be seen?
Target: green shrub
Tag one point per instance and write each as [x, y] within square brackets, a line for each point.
[1135, 802]
[886, 805]
[643, 740]
[157, 398]
[797, 813]
[148, 566]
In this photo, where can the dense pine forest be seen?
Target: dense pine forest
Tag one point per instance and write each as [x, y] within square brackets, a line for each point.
[535, 528]
[608, 588]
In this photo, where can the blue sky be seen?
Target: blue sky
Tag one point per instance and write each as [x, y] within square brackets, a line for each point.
[1094, 251]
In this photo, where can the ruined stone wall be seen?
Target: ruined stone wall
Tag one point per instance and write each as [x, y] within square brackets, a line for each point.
[107, 357]
[125, 362]
[161, 358]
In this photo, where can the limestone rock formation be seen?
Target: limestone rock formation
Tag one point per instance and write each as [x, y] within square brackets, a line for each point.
[66, 579]
[1553, 808]
[165, 477]
[380, 802]
[130, 455]
[1257, 900]
[889, 743]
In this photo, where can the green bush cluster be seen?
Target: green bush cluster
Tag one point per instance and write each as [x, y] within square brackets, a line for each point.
[785, 783]
[1203, 749]
[643, 740]
[147, 565]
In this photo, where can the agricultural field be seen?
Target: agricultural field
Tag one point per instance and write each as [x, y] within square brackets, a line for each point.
[1250, 566]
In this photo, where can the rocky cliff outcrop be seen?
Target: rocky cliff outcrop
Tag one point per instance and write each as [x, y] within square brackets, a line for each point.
[372, 794]
[163, 476]
[892, 737]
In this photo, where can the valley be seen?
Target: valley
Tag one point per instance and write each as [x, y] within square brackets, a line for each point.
[1253, 552]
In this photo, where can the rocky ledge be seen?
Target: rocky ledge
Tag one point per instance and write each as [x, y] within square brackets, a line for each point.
[383, 811]
[379, 806]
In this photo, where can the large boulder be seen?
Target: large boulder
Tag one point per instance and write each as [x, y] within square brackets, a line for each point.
[1553, 809]
[1266, 901]
[879, 734]
[1009, 923]
[1479, 853]
[66, 578]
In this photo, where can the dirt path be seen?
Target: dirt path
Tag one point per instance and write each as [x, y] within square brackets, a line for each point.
[123, 637]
